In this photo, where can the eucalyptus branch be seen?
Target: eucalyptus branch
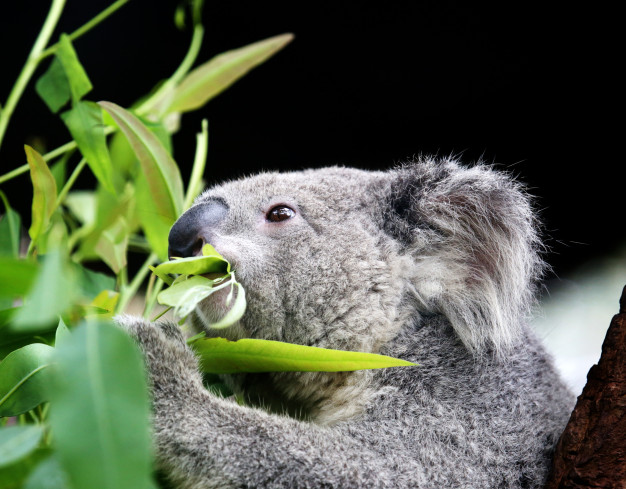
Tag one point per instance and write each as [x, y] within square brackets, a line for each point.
[128, 291]
[107, 12]
[31, 64]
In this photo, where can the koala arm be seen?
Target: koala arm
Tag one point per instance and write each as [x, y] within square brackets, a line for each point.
[206, 441]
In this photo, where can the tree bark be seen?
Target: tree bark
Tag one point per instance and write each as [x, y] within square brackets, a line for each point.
[592, 450]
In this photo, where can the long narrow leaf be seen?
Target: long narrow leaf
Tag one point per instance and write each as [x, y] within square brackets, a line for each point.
[221, 356]
[219, 73]
[44, 192]
[161, 199]
[85, 123]
[100, 410]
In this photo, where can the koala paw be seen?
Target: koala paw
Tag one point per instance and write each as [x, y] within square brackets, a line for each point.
[171, 365]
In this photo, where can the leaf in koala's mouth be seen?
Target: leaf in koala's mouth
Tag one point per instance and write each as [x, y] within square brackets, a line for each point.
[201, 276]
[221, 356]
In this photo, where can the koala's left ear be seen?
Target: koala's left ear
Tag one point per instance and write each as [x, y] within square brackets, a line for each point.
[472, 234]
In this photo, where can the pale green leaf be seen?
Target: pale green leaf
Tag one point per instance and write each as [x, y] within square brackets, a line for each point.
[48, 475]
[84, 121]
[112, 245]
[185, 295]
[221, 356]
[24, 379]
[236, 310]
[82, 204]
[17, 442]
[44, 193]
[62, 334]
[216, 75]
[52, 293]
[100, 410]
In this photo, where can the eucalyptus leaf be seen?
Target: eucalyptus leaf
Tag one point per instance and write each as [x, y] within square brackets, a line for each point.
[13, 476]
[112, 245]
[77, 77]
[221, 356]
[52, 293]
[9, 230]
[16, 276]
[84, 121]
[17, 442]
[62, 334]
[53, 86]
[44, 192]
[185, 295]
[159, 188]
[48, 475]
[219, 73]
[100, 410]
[195, 265]
[24, 379]
[236, 310]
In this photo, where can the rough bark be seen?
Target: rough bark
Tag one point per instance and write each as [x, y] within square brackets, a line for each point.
[592, 450]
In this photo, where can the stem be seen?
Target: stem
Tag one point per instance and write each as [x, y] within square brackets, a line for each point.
[107, 12]
[70, 181]
[199, 163]
[49, 156]
[129, 291]
[172, 81]
[31, 64]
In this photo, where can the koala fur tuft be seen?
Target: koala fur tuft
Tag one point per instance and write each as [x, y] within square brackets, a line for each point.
[431, 262]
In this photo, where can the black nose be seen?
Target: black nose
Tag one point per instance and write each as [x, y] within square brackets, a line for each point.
[195, 228]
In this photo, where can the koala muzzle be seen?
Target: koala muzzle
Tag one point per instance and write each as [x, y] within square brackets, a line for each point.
[195, 228]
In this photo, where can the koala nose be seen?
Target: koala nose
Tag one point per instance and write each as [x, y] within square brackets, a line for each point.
[195, 228]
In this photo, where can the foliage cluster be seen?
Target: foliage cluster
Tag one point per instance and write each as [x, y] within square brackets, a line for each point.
[73, 393]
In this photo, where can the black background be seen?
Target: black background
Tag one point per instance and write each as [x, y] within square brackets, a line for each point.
[523, 85]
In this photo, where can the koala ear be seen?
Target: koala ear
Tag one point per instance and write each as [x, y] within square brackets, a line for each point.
[472, 234]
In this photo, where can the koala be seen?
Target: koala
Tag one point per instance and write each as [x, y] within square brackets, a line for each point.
[431, 262]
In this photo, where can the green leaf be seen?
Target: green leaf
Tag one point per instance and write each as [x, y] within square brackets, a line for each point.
[44, 193]
[17, 442]
[59, 169]
[112, 245]
[84, 121]
[221, 356]
[53, 86]
[185, 295]
[216, 75]
[52, 293]
[48, 475]
[79, 83]
[13, 476]
[9, 230]
[24, 379]
[159, 188]
[16, 276]
[236, 310]
[210, 262]
[91, 283]
[100, 410]
[62, 334]
[82, 204]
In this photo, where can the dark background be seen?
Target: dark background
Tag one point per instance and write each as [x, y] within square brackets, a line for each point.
[523, 85]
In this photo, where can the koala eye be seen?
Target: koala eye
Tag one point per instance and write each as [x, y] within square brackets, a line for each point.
[280, 213]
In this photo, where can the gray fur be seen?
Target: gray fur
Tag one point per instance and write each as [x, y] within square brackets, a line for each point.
[431, 262]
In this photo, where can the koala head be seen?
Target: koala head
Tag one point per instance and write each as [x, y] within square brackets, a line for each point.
[343, 258]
